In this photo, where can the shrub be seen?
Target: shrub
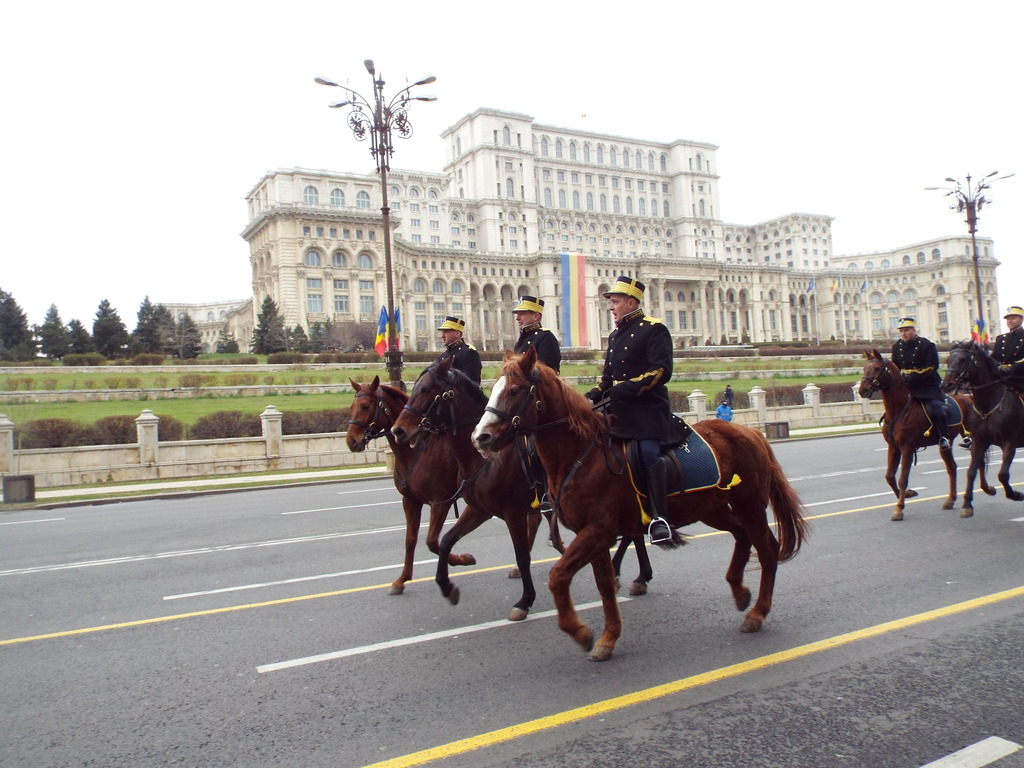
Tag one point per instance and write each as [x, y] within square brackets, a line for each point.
[223, 424]
[50, 384]
[115, 430]
[170, 429]
[314, 422]
[285, 358]
[191, 380]
[133, 383]
[148, 358]
[240, 379]
[114, 382]
[86, 358]
[52, 433]
[160, 382]
[247, 360]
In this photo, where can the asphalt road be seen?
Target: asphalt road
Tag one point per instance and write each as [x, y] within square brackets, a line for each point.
[254, 629]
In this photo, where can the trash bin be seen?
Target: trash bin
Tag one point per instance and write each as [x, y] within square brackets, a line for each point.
[19, 488]
[775, 430]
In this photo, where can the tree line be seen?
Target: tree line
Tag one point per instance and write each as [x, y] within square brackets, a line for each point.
[157, 331]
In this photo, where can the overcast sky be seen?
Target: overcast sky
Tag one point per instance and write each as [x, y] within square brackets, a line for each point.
[133, 131]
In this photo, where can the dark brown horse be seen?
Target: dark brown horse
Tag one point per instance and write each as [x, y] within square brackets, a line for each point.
[443, 407]
[906, 428]
[423, 475]
[997, 415]
[594, 496]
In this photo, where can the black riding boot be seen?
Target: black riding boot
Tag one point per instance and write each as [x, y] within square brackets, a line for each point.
[657, 499]
[941, 426]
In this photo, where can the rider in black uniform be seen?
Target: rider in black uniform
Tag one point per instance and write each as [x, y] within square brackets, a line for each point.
[531, 334]
[464, 356]
[918, 361]
[1009, 349]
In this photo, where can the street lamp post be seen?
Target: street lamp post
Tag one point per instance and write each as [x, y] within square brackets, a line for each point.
[970, 199]
[379, 118]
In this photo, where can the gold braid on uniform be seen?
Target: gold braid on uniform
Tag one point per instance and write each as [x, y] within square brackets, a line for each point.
[656, 373]
[929, 369]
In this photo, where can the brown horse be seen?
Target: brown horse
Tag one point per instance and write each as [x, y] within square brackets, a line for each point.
[997, 415]
[422, 475]
[593, 493]
[443, 406]
[906, 428]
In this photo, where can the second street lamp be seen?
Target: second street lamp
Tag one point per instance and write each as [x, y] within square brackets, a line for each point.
[970, 199]
[380, 119]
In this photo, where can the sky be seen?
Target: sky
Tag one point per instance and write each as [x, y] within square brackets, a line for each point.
[133, 131]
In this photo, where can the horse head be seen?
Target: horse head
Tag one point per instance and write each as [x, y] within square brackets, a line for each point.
[364, 415]
[969, 366]
[877, 375]
[441, 400]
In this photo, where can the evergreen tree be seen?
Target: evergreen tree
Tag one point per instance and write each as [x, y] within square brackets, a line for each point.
[269, 335]
[16, 340]
[166, 330]
[297, 339]
[188, 341]
[226, 343]
[316, 337]
[79, 338]
[145, 336]
[108, 332]
[54, 339]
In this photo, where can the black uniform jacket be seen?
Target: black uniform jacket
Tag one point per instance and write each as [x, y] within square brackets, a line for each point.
[637, 366]
[465, 358]
[918, 361]
[1009, 350]
[549, 351]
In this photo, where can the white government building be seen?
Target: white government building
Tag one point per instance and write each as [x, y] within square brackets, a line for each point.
[518, 201]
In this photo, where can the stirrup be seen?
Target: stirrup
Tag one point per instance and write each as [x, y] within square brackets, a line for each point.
[966, 443]
[944, 443]
[659, 531]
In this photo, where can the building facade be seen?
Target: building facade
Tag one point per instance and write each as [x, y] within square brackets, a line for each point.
[516, 196]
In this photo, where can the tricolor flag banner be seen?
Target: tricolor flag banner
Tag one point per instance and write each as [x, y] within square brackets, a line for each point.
[863, 286]
[574, 300]
[810, 286]
[979, 332]
[381, 342]
[398, 328]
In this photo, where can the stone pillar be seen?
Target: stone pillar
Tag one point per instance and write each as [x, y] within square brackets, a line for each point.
[271, 419]
[864, 401]
[758, 402]
[812, 397]
[698, 404]
[6, 445]
[147, 428]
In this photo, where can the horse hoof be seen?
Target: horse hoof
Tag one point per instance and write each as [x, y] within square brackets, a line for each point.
[966, 512]
[638, 588]
[515, 574]
[517, 614]
[897, 515]
[618, 586]
[750, 625]
[948, 504]
[396, 589]
[1015, 496]
[453, 596]
[585, 638]
[989, 491]
[601, 653]
[911, 493]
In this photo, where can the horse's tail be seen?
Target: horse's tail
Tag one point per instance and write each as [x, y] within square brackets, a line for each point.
[790, 527]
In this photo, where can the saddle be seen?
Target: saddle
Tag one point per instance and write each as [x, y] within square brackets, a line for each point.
[954, 415]
[692, 466]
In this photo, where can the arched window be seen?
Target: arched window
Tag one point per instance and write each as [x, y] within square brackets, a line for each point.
[869, 265]
[935, 253]
[547, 198]
[506, 135]
[586, 153]
[339, 260]
[639, 159]
[437, 287]
[703, 212]
[458, 145]
[600, 153]
[419, 286]
[561, 198]
[906, 258]
[209, 317]
[590, 201]
[572, 150]
[544, 147]
[650, 161]
[641, 206]
[510, 188]
[337, 197]
[312, 259]
[456, 287]
[664, 163]
[558, 148]
[681, 296]
[616, 205]
[604, 202]
[310, 195]
[664, 205]
[365, 261]
[629, 203]
[668, 295]
[921, 258]
[432, 194]
[625, 158]
[885, 264]
[363, 199]
[613, 157]
[892, 297]
[576, 200]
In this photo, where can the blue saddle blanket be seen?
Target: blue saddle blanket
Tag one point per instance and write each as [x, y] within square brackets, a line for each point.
[699, 463]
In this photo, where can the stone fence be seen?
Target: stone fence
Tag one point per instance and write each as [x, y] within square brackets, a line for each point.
[151, 459]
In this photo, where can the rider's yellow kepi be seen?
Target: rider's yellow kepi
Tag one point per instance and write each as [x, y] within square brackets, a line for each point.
[627, 286]
[1010, 311]
[905, 322]
[452, 324]
[530, 304]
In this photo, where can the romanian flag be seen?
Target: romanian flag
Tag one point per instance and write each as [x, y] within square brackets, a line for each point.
[574, 300]
[979, 332]
[381, 342]
[398, 328]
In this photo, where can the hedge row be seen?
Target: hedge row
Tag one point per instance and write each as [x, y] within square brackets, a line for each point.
[121, 430]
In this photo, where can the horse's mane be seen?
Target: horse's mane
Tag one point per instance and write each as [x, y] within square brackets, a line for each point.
[580, 416]
[972, 347]
[395, 392]
[462, 383]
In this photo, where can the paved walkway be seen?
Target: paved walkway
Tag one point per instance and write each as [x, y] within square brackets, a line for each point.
[101, 492]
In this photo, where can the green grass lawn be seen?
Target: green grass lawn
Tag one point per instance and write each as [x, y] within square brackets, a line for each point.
[188, 410]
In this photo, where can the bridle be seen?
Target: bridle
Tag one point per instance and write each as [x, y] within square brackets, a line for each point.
[435, 412]
[516, 419]
[881, 381]
[373, 428]
[962, 377]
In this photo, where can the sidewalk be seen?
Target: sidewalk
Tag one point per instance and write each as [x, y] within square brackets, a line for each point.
[102, 493]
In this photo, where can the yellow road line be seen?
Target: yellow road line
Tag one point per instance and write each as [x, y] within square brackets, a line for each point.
[660, 691]
[354, 590]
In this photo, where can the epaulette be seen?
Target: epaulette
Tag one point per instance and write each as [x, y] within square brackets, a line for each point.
[653, 320]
